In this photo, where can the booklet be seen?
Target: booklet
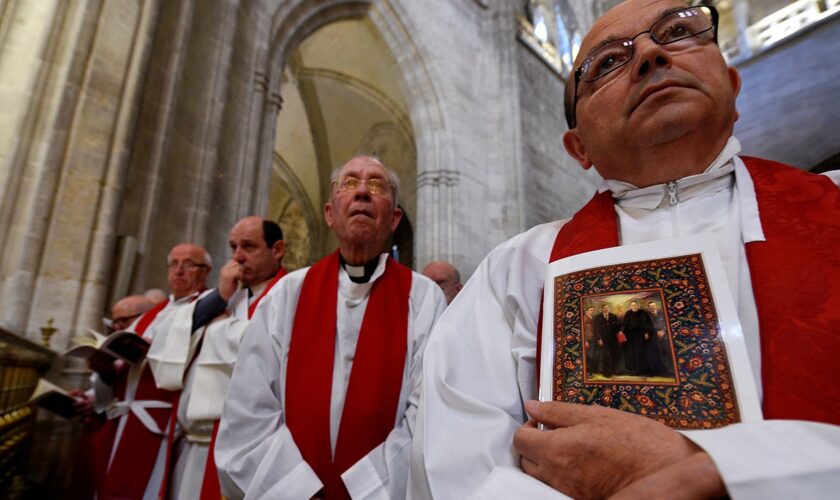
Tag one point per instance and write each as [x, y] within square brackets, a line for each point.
[124, 344]
[53, 398]
[649, 329]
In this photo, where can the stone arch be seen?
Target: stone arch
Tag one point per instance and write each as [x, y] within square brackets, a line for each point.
[294, 20]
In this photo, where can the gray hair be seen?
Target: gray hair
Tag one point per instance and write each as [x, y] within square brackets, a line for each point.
[204, 256]
[393, 178]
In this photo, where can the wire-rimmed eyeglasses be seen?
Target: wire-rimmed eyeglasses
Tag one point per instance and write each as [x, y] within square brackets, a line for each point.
[675, 26]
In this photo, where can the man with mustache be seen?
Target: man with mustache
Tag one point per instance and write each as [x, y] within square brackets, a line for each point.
[197, 358]
[651, 106]
[326, 384]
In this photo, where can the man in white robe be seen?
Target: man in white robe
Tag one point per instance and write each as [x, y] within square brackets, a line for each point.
[197, 357]
[258, 452]
[188, 266]
[656, 122]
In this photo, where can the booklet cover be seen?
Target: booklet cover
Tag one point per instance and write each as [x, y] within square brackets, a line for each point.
[124, 344]
[53, 398]
[649, 329]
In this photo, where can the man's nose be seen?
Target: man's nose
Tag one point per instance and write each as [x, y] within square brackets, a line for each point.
[649, 56]
[239, 255]
[362, 192]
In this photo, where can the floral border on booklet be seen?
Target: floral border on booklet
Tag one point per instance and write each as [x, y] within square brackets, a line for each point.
[690, 384]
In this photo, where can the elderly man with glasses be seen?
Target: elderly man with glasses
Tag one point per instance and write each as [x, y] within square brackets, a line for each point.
[326, 384]
[651, 107]
[138, 410]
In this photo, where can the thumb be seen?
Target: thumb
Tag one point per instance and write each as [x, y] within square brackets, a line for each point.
[557, 414]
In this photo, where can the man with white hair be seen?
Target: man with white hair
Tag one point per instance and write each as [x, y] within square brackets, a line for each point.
[141, 411]
[326, 385]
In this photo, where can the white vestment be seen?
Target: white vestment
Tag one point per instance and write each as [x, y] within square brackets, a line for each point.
[255, 452]
[203, 384]
[480, 363]
[167, 318]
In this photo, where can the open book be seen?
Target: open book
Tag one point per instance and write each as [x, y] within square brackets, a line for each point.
[648, 329]
[124, 344]
[53, 398]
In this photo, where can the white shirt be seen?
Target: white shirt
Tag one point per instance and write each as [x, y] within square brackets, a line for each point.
[255, 452]
[480, 363]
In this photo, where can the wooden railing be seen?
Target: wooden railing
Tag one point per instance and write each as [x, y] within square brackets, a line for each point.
[21, 364]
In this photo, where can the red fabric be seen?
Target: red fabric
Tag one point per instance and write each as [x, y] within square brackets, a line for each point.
[210, 487]
[796, 284]
[149, 316]
[370, 407]
[102, 443]
[253, 307]
[138, 447]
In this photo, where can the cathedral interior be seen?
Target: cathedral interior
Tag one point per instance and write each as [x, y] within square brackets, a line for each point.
[128, 126]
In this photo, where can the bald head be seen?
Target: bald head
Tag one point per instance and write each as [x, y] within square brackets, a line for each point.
[127, 309]
[446, 276]
[652, 99]
[188, 265]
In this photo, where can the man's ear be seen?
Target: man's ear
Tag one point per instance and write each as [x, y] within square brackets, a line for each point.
[398, 213]
[279, 249]
[735, 81]
[328, 214]
[574, 146]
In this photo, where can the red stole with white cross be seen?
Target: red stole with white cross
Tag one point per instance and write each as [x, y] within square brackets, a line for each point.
[370, 406]
[137, 449]
[795, 275]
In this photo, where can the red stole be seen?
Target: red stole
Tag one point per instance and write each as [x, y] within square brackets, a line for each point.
[796, 284]
[210, 487]
[138, 447]
[370, 406]
[253, 307]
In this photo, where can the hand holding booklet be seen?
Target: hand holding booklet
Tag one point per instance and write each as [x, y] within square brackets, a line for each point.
[124, 344]
[53, 398]
[649, 329]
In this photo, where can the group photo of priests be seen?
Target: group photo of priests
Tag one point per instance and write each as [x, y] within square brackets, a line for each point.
[633, 342]
[419, 249]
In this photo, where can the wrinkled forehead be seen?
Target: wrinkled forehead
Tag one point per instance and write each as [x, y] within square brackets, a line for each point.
[625, 20]
[186, 252]
[364, 168]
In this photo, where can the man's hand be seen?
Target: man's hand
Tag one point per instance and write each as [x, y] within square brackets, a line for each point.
[594, 452]
[693, 477]
[229, 278]
[660, 333]
[103, 364]
[83, 404]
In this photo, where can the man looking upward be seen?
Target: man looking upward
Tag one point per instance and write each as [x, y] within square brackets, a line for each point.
[651, 106]
[326, 384]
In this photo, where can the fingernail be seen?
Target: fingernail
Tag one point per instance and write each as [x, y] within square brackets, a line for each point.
[531, 406]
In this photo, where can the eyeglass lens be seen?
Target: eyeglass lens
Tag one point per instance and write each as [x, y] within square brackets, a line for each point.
[672, 28]
[350, 183]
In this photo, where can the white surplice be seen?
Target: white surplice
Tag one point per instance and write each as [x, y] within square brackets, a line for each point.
[204, 383]
[255, 452]
[480, 363]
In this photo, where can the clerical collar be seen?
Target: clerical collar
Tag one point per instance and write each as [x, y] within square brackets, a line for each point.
[360, 274]
[716, 177]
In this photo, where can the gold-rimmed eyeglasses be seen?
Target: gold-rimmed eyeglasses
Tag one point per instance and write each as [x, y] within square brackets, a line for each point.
[351, 183]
